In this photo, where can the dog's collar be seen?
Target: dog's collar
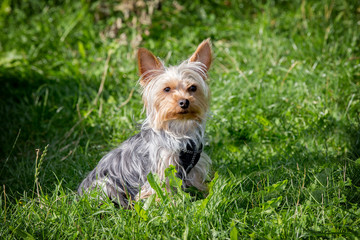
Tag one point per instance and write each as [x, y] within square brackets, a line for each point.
[190, 156]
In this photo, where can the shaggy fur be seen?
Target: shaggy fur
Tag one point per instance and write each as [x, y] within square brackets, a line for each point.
[168, 130]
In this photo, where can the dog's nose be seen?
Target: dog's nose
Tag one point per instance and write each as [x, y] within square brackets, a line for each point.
[184, 103]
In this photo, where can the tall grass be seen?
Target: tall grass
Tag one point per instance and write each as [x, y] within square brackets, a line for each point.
[284, 133]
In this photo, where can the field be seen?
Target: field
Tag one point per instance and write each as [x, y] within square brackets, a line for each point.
[284, 130]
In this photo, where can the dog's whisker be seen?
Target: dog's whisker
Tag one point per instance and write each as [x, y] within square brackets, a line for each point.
[171, 134]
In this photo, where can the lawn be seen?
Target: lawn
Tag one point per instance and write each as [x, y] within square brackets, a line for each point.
[284, 130]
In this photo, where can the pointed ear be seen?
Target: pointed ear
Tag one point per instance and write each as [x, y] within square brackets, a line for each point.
[148, 65]
[203, 54]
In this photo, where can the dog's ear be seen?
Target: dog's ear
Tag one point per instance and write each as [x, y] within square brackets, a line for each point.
[149, 65]
[203, 54]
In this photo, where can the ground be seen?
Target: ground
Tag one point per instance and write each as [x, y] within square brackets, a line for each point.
[284, 130]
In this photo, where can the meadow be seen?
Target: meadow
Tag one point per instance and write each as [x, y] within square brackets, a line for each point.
[284, 130]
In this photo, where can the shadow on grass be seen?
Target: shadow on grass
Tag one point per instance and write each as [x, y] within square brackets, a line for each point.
[36, 111]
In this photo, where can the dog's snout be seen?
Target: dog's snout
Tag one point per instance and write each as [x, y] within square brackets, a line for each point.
[184, 103]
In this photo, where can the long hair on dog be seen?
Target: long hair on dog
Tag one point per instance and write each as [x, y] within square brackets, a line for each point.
[176, 102]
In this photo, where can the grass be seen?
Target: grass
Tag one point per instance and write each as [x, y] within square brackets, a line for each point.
[284, 134]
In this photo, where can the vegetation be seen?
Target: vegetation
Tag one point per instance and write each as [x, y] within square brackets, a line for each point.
[284, 134]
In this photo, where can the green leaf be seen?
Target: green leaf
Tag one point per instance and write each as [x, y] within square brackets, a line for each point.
[272, 204]
[21, 233]
[5, 7]
[140, 211]
[263, 120]
[148, 202]
[81, 49]
[154, 183]
[170, 174]
[211, 192]
[279, 186]
[233, 231]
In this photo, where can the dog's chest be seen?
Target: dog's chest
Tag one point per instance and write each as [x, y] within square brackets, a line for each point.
[169, 157]
[184, 159]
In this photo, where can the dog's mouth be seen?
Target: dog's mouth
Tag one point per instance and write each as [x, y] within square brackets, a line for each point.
[184, 112]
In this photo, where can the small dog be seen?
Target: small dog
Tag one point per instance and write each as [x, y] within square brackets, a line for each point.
[176, 100]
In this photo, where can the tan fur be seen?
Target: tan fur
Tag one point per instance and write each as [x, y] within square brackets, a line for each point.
[203, 54]
[176, 101]
[163, 107]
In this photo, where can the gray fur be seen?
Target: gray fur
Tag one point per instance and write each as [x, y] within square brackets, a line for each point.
[122, 174]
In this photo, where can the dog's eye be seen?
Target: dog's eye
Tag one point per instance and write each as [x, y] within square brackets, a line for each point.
[192, 88]
[167, 89]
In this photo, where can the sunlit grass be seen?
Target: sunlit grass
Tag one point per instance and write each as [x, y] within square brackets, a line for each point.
[284, 131]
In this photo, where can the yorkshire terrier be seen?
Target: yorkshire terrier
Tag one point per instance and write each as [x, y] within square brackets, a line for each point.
[176, 101]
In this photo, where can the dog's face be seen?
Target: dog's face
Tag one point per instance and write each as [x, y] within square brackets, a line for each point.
[178, 93]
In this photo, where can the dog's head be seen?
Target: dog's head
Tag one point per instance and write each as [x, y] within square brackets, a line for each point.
[176, 95]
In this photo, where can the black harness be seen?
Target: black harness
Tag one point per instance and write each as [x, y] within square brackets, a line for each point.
[189, 157]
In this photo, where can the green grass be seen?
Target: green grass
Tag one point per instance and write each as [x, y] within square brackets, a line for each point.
[284, 134]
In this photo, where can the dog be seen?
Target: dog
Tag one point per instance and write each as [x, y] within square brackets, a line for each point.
[176, 101]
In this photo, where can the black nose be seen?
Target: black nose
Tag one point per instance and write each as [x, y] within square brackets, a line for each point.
[184, 103]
